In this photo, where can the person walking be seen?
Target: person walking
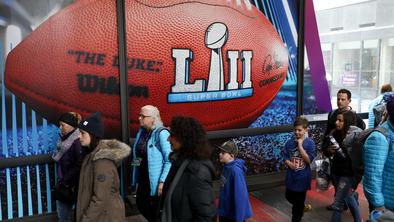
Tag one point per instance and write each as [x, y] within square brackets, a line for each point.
[234, 204]
[378, 182]
[188, 193]
[69, 157]
[298, 155]
[150, 161]
[341, 139]
[98, 195]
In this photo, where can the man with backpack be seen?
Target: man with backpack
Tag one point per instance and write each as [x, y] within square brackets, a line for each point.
[378, 159]
[151, 162]
[377, 107]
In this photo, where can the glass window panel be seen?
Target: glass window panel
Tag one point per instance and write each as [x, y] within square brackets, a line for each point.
[349, 45]
[386, 71]
[371, 44]
[326, 47]
[391, 42]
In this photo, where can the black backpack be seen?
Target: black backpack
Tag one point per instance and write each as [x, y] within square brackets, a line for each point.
[378, 111]
[356, 154]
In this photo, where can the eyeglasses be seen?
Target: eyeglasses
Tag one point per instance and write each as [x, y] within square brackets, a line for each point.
[142, 116]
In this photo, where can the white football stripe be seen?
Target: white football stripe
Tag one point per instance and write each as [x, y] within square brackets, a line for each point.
[291, 21]
[248, 5]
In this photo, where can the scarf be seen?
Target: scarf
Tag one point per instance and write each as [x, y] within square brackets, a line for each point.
[64, 146]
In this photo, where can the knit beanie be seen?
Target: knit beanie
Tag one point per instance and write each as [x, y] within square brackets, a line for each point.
[93, 125]
[69, 118]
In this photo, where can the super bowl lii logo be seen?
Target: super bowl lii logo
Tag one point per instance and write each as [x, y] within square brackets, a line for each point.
[185, 91]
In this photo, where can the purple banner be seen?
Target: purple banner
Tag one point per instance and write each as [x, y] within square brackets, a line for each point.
[315, 57]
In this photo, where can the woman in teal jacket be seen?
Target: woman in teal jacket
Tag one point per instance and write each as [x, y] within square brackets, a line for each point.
[150, 161]
[379, 164]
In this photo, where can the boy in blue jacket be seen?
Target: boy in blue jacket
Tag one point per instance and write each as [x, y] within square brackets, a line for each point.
[298, 154]
[234, 202]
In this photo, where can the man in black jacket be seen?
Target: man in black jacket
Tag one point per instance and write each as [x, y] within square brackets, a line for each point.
[343, 100]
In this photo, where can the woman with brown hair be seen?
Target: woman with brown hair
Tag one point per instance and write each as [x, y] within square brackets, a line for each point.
[99, 196]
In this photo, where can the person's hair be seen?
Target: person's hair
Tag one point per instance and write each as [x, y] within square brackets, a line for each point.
[192, 136]
[386, 88]
[301, 121]
[347, 92]
[349, 119]
[154, 112]
[76, 115]
[94, 141]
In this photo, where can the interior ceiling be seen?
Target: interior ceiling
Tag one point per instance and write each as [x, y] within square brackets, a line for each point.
[28, 12]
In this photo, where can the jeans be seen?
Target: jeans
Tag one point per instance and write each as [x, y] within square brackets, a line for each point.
[65, 211]
[344, 195]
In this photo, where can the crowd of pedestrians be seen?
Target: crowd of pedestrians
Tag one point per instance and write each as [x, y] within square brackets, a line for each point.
[173, 170]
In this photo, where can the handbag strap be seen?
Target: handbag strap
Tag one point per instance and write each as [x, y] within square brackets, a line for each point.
[167, 210]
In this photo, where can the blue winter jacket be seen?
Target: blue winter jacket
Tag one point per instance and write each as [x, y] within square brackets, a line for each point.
[158, 163]
[234, 198]
[379, 167]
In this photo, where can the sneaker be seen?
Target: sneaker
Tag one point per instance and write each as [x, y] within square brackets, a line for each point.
[331, 208]
[307, 207]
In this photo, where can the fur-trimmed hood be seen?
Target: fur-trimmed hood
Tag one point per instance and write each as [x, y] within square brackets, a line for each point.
[113, 150]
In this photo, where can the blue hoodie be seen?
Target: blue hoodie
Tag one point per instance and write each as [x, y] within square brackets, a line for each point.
[234, 198]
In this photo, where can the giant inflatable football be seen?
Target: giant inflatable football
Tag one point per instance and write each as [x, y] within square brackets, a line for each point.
[221, 62]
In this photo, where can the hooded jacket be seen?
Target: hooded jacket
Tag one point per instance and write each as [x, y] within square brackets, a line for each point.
[234, 198]
[378, 158]
[98, 195]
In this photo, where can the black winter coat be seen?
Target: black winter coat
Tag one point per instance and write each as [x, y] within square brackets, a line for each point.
[339, 166]
[193, 199]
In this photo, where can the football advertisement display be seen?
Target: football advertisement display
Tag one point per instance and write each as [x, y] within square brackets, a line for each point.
[228, 63]
[181, 61]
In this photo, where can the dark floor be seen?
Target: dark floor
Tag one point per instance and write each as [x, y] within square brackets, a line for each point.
[270, 205]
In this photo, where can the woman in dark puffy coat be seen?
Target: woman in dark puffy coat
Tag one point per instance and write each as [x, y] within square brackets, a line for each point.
[69, 158]
[188, 194]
